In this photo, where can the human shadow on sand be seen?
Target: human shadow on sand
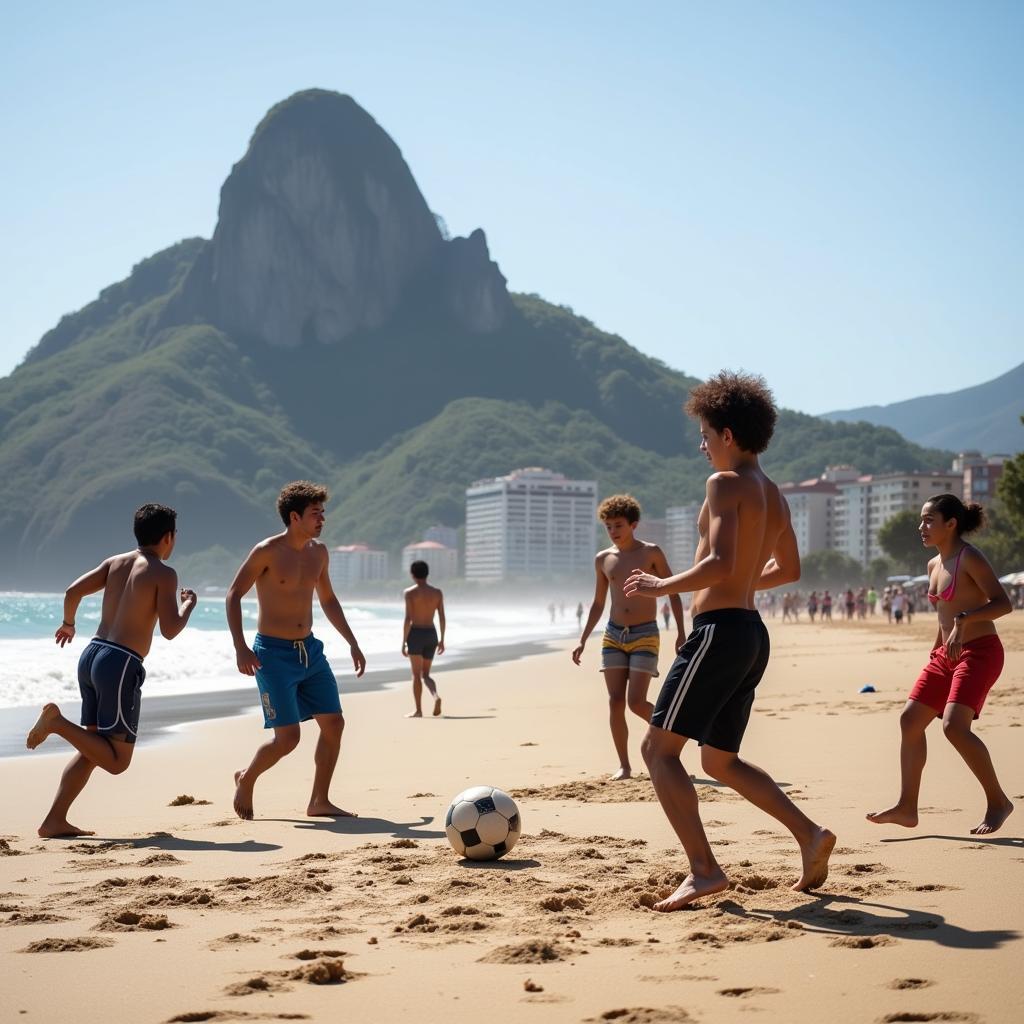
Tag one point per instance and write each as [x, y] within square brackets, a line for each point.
[171, 843]
[366, 826]
[989, 840]
[855, 920]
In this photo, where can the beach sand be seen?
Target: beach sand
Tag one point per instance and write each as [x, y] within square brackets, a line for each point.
[185, 913]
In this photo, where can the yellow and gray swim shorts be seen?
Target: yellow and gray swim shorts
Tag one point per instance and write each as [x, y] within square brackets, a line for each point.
[631, 647]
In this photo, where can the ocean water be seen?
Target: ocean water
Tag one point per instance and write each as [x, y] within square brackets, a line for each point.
[33, 669]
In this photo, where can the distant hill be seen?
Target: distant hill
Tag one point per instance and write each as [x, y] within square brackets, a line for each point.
[329, 331]
[985, 417]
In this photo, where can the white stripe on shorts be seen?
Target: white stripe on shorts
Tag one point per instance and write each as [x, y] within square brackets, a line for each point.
[684, 685]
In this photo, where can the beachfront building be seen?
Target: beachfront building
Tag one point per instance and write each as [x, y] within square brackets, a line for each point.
[654, 531]
[532, 523]
[812, 505]
[352, 564]
[442, 561]
[681, 535]
[981, 474]
[865, 504]
[446, 535]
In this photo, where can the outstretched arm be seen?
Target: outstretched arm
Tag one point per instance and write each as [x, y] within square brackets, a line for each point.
[596, 608]
[172, 619]
[661, 568]
[784, 565]
[90, 583]
[336, 617]
[717, 565]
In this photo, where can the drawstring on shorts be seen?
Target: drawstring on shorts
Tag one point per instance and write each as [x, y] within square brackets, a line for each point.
[300, 646]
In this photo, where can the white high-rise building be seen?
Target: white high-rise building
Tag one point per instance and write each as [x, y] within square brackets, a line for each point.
[866, 504]
[681, 535]
[812, 513]
[357, 563]
[531, 523]
[442, 561]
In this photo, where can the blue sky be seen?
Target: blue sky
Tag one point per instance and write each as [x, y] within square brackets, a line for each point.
[827, 193]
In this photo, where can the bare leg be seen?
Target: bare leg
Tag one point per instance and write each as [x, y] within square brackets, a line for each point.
[72, 782]
[431, 685]
[615, 679]
[757, 786]
[956, 724]
[636, 694]
[328, 746]
[914, 720]
[416, 664]
[284, 741]
[111, 754]
[678, 798]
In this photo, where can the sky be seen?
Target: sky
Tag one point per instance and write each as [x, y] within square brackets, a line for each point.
[825, 193]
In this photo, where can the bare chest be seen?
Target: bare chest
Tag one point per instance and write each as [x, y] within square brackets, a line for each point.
[292, 572]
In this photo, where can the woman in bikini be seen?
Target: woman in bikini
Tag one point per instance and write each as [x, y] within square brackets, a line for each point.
[965, 661]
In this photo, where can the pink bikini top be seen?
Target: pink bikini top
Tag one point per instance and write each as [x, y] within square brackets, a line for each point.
[947, 594]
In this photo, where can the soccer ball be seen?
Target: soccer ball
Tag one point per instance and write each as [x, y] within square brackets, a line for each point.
[482, 823]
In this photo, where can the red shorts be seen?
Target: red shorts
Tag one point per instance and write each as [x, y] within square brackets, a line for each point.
[966, 681]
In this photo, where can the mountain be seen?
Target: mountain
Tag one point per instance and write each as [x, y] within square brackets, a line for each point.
[329, 330]
[985, 417]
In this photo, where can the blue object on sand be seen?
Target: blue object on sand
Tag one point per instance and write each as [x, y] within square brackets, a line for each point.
[867, 688]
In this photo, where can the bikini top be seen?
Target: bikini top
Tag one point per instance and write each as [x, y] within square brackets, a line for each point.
[947, 594]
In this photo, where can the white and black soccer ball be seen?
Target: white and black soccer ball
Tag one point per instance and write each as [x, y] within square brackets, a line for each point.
[482, 823]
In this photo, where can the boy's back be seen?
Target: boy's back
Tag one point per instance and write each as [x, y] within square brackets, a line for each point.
[423, 600]
[130, 608]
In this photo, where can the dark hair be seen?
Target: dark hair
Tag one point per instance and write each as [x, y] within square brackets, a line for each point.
[743, 402]
[624, 505]
[297, 497]
[969, 517]
[153, 523]
[419, 570]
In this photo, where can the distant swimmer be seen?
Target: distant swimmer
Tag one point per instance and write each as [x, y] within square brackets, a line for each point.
[630, 645]
[746, 543]
[420, 641]
[965, 662]
[139, 591]
[294, 679]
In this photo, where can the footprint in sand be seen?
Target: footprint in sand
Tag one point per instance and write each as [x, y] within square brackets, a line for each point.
[862, 941]
[910, 983]
[642, 1015]
[536, 952]
[131, 921]
[941, 1015]
[745, 993]
[66, 945]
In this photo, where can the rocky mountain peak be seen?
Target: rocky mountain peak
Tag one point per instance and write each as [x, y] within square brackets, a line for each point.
[323, 231]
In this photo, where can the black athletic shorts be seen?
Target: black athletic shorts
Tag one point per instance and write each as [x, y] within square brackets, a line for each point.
[422, 640]
[110, 679]
[709, 690]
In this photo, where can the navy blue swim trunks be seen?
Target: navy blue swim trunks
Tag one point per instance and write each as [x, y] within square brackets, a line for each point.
[294, 680]
[110, 679]
[422, 641]
[709, 690]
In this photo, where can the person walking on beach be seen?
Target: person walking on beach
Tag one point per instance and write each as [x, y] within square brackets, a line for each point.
[629, 647]
[419, 637]
[294, 679]
[139, 591]
[826, 607]
[746, 543]
[965, 662]
[666, 612]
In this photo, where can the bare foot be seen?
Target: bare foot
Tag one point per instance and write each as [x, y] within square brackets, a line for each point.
[815, 857]
[325, 809]
[43, 726]
[894, 816]
[61, 828]
[414, 714]
[693, 889]
[622, 773]
[437, 706]
[243, 797]
[994, 818]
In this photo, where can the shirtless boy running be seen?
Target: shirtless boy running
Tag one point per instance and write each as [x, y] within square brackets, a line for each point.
[294, 679]
[629, 648]
[746, 544]
[419, 637]
[138, 592]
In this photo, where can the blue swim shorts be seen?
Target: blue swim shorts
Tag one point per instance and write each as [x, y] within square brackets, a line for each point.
[294, 680]
[110, 680]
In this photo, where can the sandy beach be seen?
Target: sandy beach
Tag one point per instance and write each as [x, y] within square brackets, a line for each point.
[185, 913]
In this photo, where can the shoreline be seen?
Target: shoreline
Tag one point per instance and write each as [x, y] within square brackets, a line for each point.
[165, 714]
